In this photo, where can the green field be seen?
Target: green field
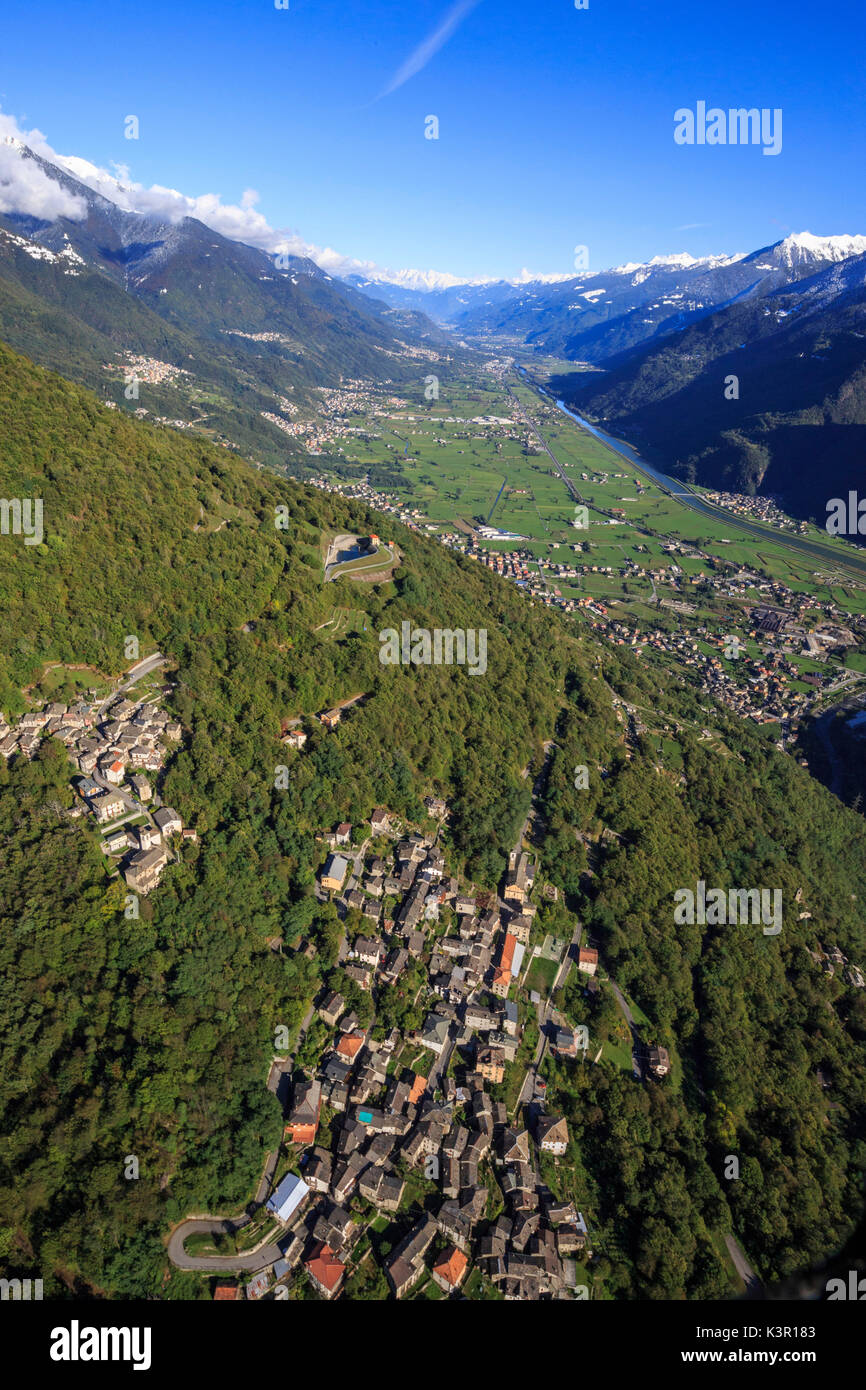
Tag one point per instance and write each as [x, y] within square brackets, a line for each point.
[541, 976]
[456, 472]
[67, 684]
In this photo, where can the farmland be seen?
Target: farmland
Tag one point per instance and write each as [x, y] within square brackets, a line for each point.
[469, 457]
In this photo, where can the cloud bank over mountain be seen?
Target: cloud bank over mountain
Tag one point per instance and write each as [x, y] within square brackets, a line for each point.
[25, 188]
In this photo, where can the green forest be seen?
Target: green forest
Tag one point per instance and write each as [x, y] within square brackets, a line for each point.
[153, 1037]
[749, 1019]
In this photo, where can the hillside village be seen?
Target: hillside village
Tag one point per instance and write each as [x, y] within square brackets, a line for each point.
[118, 746]
[419, 1156]
[384, 1119]
[414, 1084]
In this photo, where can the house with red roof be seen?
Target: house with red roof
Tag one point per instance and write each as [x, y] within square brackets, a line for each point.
[502, 973]
[303, 1120]
[587, 960]
[419, 1086]
[326, 1271]
[350, 1045]
[449, 1271]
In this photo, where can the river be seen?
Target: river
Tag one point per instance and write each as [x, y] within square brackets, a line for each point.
[687, 498]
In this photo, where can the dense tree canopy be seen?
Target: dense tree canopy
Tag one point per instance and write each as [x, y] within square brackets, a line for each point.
[153, 1037]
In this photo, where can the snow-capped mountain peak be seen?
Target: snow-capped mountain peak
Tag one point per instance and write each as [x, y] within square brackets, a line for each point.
[679, 260]
[422, 280]
[411, 279]
[801, 247]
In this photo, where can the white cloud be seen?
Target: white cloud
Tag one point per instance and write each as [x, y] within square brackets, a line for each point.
[421, 56]
[239, 222]
[24, 186]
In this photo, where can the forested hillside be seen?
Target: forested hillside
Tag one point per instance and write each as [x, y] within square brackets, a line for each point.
[153, 1037]
[750, 1019]
[249, 338]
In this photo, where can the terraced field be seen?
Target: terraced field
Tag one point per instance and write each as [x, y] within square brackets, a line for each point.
[343, 622]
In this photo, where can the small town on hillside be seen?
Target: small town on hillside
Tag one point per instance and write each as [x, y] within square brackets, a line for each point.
[420, 1155]
[382, 1123]
[118, 745]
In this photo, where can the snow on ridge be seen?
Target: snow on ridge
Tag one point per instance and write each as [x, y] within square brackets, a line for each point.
[800, 245]
[426, 280]
[67, 256]
[679, 260]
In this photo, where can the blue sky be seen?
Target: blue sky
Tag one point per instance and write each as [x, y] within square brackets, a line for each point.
[556, 125]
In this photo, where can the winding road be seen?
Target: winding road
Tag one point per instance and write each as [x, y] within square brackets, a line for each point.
[251, 1261]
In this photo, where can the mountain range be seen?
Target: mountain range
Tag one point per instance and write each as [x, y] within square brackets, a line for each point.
[244, 339]
[80, 294]
[765, 394]
[743, 372]
[594, 314]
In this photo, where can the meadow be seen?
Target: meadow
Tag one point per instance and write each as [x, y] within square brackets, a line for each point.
[458, 472]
